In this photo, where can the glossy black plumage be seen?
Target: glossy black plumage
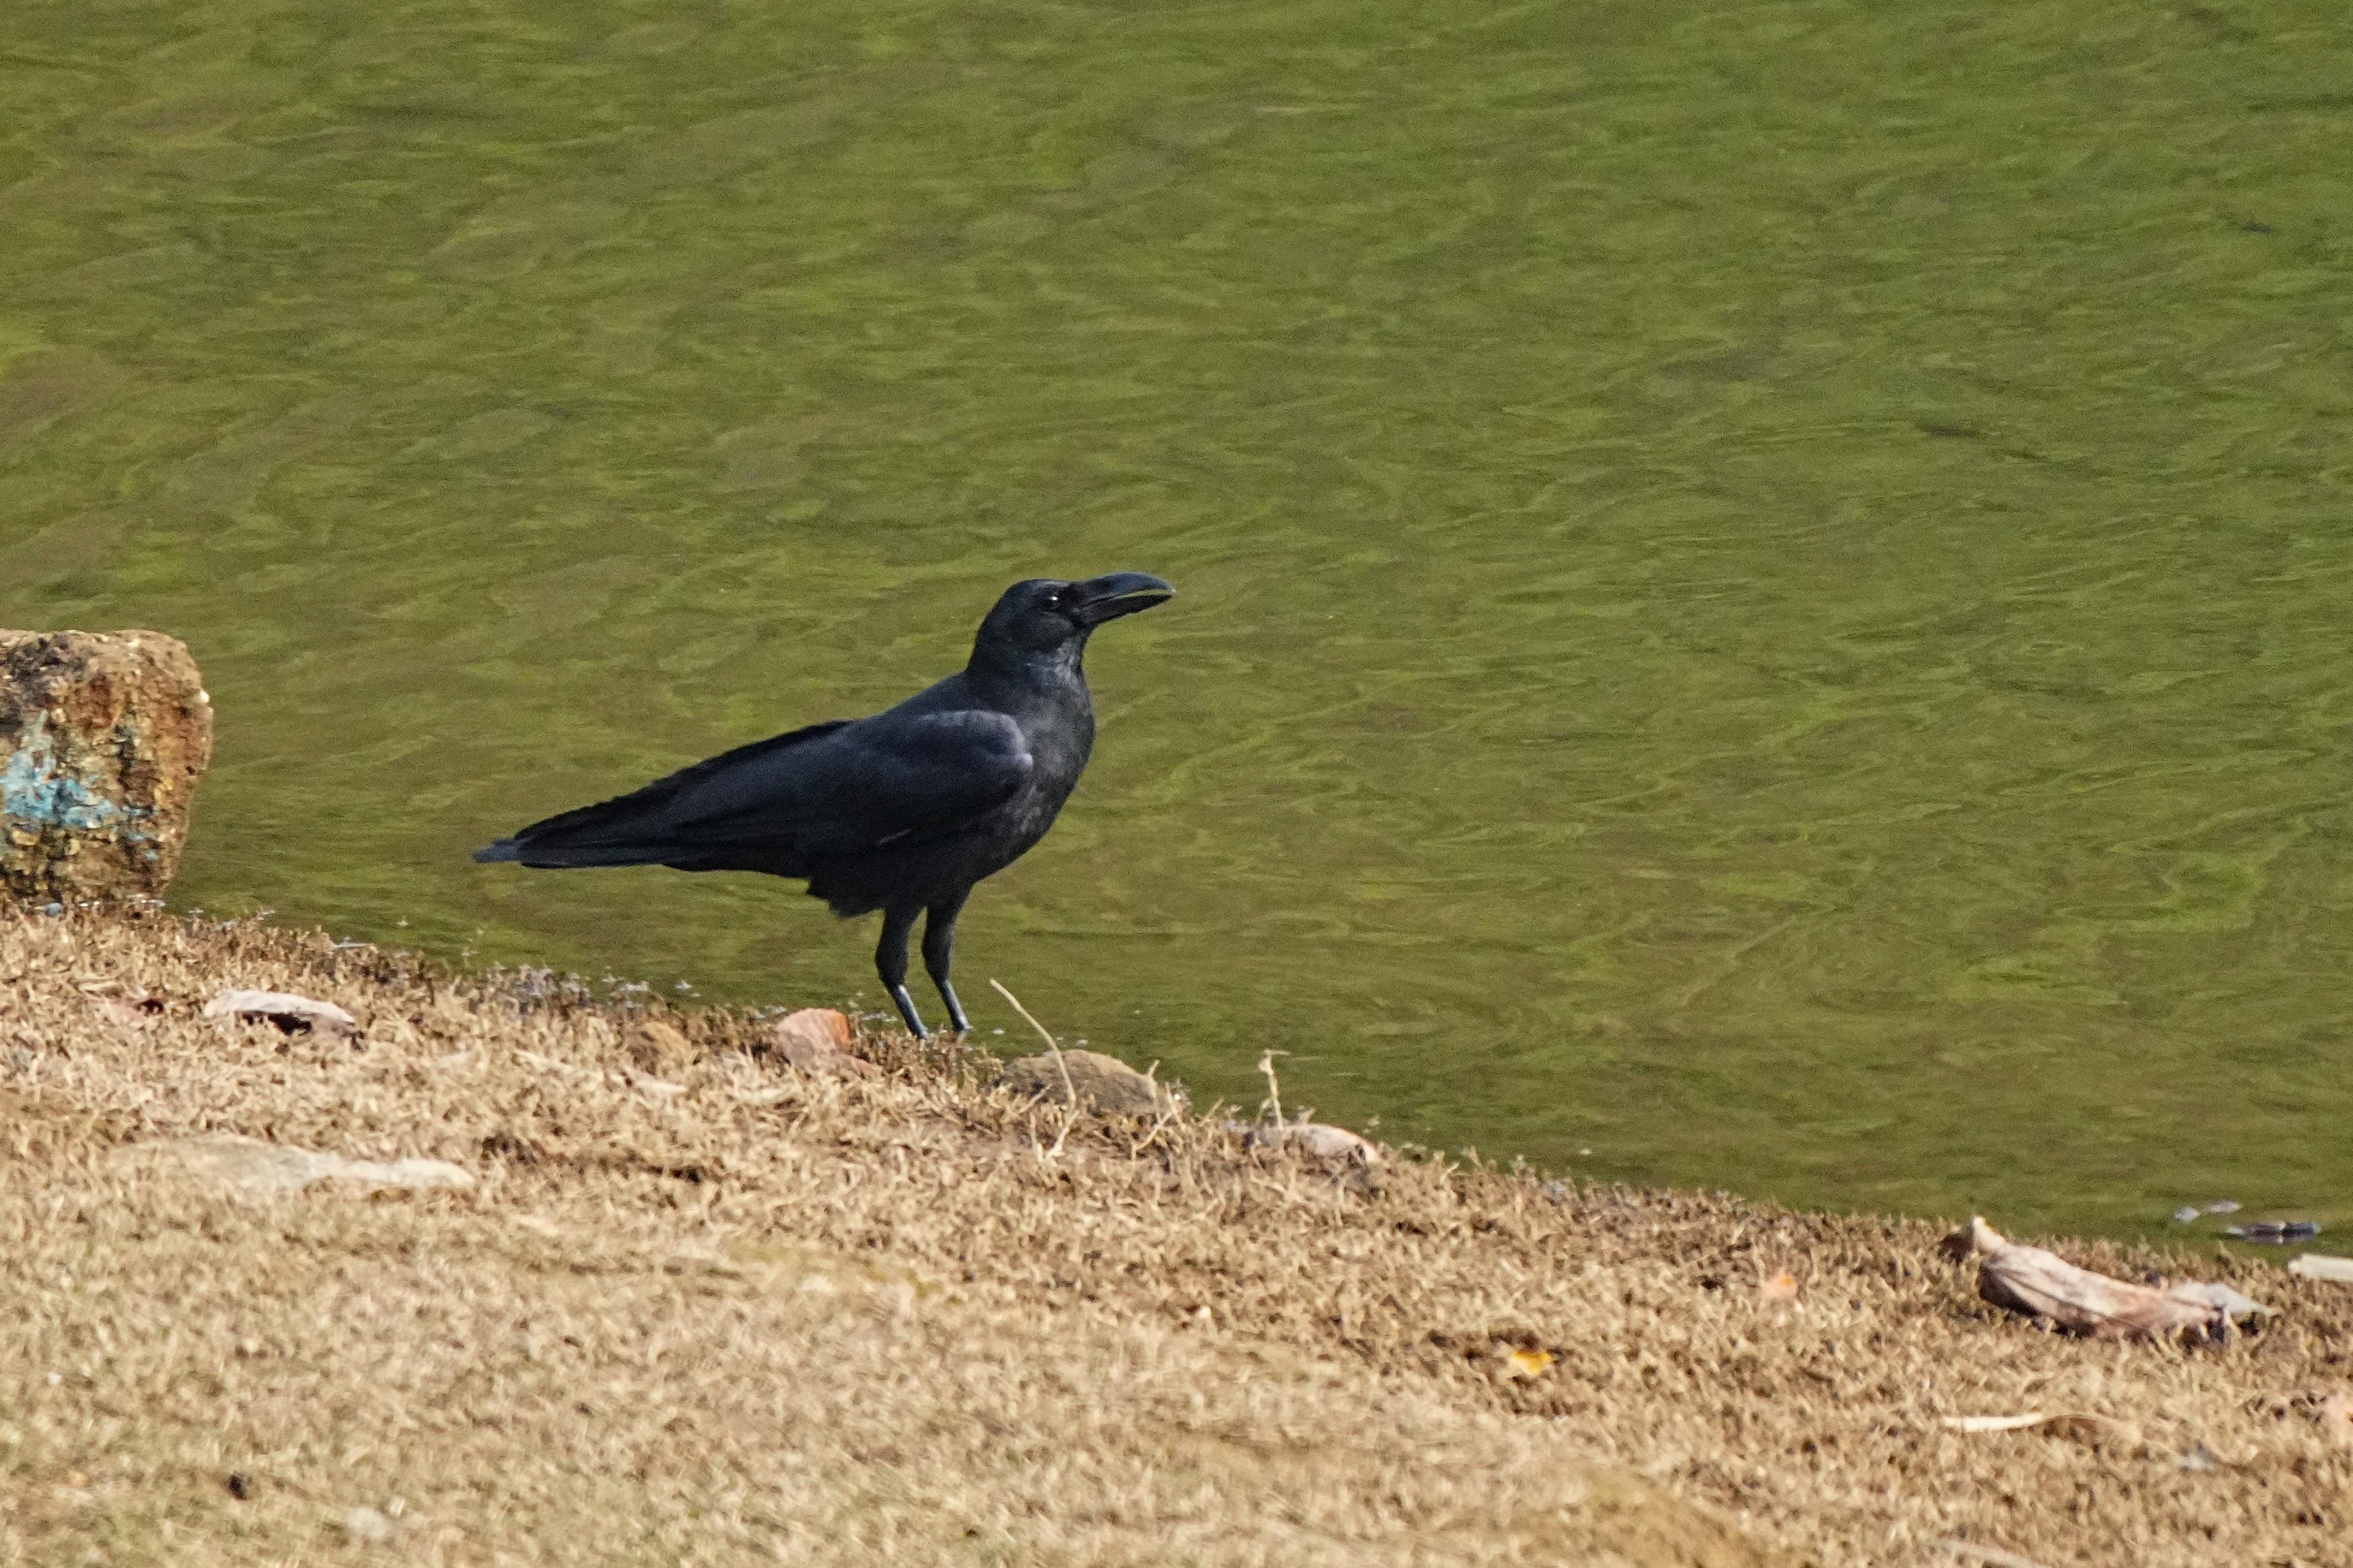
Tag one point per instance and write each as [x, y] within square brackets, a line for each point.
[901, 812]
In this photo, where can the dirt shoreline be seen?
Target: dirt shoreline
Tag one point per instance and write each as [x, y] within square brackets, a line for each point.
[698, 1305]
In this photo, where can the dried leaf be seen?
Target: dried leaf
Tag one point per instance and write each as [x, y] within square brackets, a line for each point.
[1527, 1365]
[2043, 1285]
[1782, 1287]
[294, 1014]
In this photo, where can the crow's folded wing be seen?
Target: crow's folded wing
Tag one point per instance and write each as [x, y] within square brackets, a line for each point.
[831, 789]
[886, 779]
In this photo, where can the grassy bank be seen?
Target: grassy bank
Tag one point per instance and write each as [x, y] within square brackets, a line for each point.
[701, 1307]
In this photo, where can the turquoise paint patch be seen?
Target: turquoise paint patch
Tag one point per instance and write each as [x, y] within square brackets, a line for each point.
[32, 790]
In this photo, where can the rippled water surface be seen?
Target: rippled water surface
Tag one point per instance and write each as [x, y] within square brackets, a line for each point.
[1766, 589]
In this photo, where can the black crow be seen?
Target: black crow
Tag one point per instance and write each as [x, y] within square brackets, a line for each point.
[900, 812]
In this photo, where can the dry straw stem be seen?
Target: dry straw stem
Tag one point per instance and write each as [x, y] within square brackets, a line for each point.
[1069, 1094]
[830, 1319]
[1272, 1108]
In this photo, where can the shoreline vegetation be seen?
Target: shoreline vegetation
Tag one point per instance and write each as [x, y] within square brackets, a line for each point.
[681, 1289]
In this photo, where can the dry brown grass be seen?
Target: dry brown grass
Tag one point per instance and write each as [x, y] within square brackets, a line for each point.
[772, 1317]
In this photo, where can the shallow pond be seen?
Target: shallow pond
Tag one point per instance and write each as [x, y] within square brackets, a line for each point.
[1765, 587]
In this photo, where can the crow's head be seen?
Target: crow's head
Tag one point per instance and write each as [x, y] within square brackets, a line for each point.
[1042, 613]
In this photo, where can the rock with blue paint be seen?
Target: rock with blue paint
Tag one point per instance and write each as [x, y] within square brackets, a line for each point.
[103, 738]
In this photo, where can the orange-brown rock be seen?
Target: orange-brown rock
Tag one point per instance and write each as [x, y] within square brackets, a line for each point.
[103, 738]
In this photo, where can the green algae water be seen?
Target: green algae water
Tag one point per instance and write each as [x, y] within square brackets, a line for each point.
[1766, 589]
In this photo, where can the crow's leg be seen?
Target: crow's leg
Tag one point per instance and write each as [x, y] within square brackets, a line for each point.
[890, 963]
[939, 954]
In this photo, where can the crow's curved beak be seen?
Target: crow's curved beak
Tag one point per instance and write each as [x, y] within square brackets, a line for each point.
[1100, 599]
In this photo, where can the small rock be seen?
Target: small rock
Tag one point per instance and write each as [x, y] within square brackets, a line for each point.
[294, 1014]
[2274, 1232]
[1109, 1084]
[1317, 1139]
[2186, 1215]
[827, 1028]
[2222, 1206]
[2200, 1457]
[2322, 1265]
[250, 1168]
[102, 740]
[817, 1040]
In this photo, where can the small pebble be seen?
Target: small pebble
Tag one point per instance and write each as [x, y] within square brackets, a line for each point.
[2222, 1206]
[2184, 1216]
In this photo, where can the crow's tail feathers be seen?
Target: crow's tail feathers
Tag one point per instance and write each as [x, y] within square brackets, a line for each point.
[611, 833]
[643, 827]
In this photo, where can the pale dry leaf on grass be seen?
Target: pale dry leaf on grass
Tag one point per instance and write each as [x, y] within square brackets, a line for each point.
[290, 1013]
[2041, 1284]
